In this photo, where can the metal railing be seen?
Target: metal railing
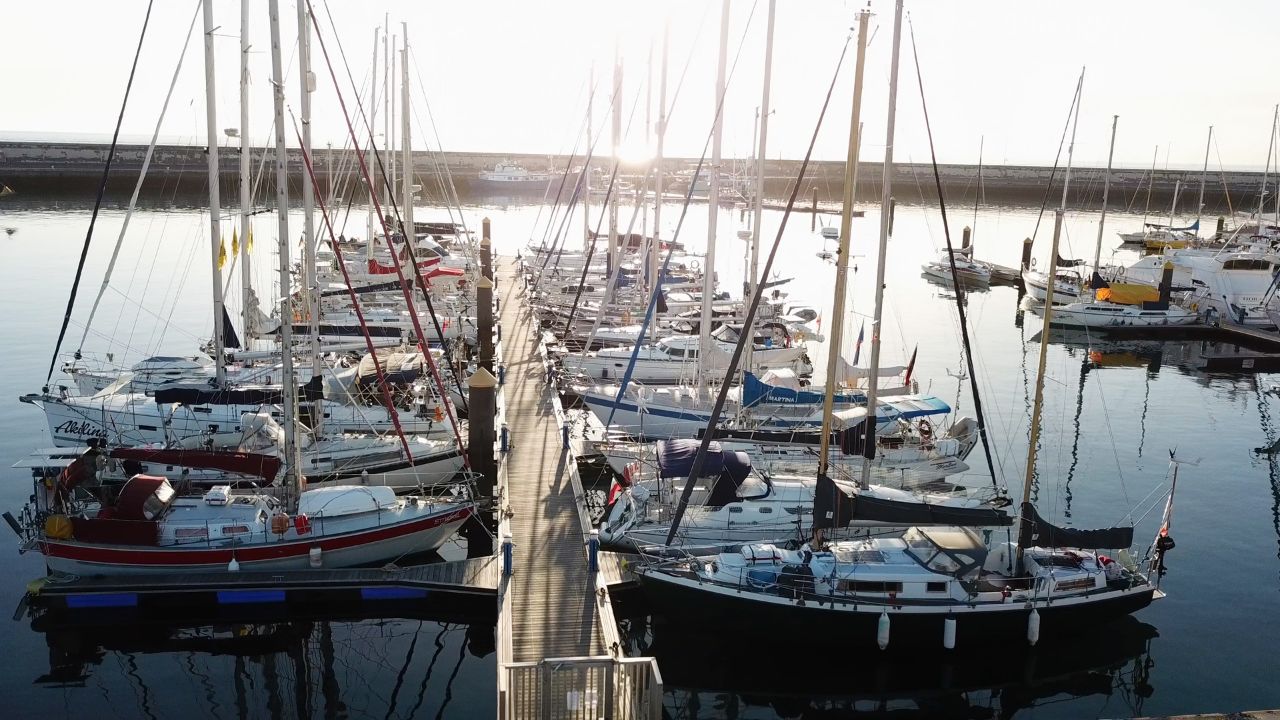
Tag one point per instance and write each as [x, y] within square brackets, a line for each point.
[582, 688]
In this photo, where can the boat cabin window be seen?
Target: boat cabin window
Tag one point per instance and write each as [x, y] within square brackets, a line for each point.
[725, 333]
[954, 551]
[1246, 264]
[868, 586]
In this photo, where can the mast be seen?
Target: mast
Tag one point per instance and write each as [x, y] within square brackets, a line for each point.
[1071, 146]
[1036, 407]
[1204, 173]
[1151, 181]
[292, 461]
[389, 116]
[1275, 118]
[1039, 394]
[658, 189]
[886, 198]
[215, 201]
[611, 259]
[406, 147]
[977, 194]
[246, 148]
[713, 204]
[842, 253]
[586, 169]
[1173, 208]
[310, 288]
[371, 155]
[753, 271]
[648, 140]
[1106, 187]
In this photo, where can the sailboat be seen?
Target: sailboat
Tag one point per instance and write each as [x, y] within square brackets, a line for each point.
[953, 585]
[724, 502]
[85, 528]
[1102, 314]
[1066, 282]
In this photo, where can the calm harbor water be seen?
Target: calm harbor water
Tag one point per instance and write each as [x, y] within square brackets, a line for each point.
[1113, 410]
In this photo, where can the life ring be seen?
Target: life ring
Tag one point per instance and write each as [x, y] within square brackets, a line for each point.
[926, 430]
[695, 265]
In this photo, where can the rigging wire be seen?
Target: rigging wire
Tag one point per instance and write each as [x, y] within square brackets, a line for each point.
[404, 282]
[699, 460]
[142, 175]
[955, 279]
[97, 203]
[410, 234]
[383, 385]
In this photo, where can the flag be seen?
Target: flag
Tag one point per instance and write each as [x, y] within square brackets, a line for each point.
[857, 347]
[235, 241]
[248, 243]
[911, 366]
[222, 253]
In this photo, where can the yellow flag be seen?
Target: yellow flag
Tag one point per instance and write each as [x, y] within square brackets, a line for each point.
[235, 241]
[222, 254]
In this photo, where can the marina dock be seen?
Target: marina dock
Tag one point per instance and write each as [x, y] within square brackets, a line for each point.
[468, 585]
[558, 643]
[553, 612]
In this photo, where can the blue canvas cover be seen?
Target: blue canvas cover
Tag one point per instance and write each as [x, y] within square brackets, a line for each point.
[675, 458]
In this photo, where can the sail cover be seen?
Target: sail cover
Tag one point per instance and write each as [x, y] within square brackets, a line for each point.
[204, 395]
[837, 503]
[1038, 532]
[246, 463]
[832, 503]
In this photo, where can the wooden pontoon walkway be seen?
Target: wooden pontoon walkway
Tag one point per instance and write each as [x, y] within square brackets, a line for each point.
[551, 609]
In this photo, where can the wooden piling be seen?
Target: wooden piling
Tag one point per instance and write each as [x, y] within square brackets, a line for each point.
[482, 403]
[486, 258]
[484, 322]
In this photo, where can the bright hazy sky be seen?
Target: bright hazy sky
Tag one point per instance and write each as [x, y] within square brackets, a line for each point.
[511, 76]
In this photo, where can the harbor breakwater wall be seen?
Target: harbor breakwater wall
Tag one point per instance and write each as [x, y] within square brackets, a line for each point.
[53, 168]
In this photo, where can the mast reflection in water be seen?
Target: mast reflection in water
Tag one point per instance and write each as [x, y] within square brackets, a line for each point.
[251, 669]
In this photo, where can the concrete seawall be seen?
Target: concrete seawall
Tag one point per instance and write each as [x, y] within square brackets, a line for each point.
[74, 168]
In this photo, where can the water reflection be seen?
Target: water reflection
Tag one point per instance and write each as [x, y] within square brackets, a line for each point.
[704, 679]
[278, 668]
[1269, 453]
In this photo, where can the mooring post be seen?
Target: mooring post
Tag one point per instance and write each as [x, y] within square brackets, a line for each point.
[484, 322]
[966, 238]
[1026, 254]
[482, 406]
